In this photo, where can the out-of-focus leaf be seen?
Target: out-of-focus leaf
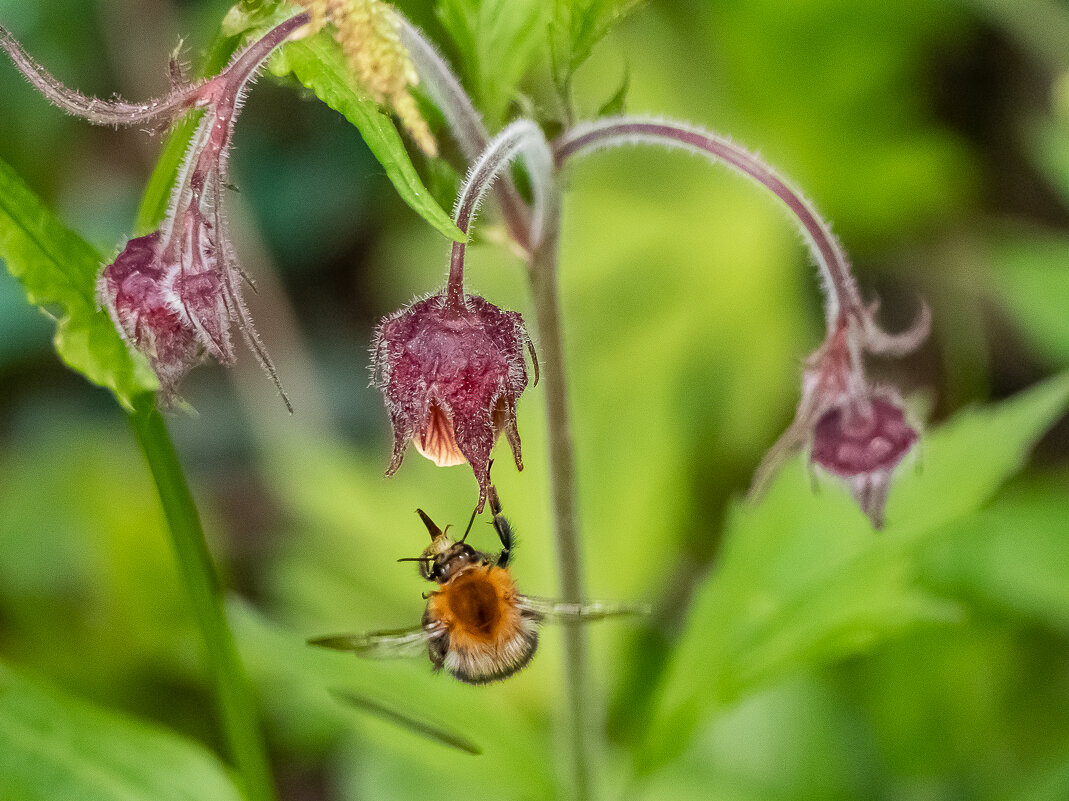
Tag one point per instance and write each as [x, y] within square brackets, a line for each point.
[973, 708]
[304, 681]
[1014, 555]
[58, 270]
[53, 746]
[1051, 786]
[889, 168]
[803, 580]
[618, 102]
[792, 735]
[319, 64]
[1031, 277]
[1051, 148]
[498, 41]
[578, 25]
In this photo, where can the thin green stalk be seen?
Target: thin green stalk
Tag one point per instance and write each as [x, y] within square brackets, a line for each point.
[237, 706]
[544, 289]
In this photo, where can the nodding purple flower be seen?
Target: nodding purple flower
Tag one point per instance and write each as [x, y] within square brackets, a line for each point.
[175, 293]
[856, 432]
[451, 376]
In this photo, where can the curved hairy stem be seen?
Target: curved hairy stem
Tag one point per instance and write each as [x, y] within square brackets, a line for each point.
[840, 288]
[465, 123]
[237, 705]
[522, 136]
[157, 111]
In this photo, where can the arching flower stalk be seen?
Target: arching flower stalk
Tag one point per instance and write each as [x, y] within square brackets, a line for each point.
[175, 292]
[855, 432]
[451, 366]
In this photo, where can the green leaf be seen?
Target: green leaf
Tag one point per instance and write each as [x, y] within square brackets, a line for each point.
[53, 746]
[157, 194]
[58, 271]
[498, 41]
[313, 688]
[1032, 281]
[1013, 556]
[319, 64]
[803, 580]
[578, 25]
[618, 102]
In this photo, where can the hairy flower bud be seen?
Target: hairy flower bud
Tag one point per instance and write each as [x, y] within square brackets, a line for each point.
[863, 446]
[148, 313]
[175, 293]
[854, 432]
[851, 442]
[451, 378]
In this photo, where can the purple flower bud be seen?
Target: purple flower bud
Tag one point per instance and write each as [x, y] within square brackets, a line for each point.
[863, 446]
[853, 431]
[451, 379]
[175, 293]
[848, 441]
[147, 312]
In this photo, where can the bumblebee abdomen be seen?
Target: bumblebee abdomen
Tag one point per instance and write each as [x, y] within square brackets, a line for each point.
[480, 662]
[490, 637]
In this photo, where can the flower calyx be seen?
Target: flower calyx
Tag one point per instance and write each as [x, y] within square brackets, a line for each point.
[856, 432]
[451, 376]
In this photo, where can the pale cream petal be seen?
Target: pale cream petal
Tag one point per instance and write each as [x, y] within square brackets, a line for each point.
[438, 441]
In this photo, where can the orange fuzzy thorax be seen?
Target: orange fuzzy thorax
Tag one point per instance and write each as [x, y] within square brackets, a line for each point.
[477, 607]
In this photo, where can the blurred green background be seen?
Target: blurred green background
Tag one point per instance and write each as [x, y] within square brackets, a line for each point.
[793, 653]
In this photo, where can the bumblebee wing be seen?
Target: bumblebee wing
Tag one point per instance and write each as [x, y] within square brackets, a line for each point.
[382, 644]
[562, 612]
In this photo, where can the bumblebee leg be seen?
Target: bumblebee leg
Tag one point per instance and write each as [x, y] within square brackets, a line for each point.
[437, 648]
[502, 527]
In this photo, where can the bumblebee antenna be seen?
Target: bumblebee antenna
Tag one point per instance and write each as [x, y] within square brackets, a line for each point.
[471, 522]
[416, 559]
[432, 528]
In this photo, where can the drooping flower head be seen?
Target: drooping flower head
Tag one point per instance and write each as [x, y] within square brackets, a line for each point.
[451, 366]
[174, 293]
[854, 431]
[451, 377]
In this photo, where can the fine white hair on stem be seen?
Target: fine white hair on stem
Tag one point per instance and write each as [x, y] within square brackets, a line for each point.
[445, 90]
[841, 293]
[520, 137]
[157, 111]
[465, 123]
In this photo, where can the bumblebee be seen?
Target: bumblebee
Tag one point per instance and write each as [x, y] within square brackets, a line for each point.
[477, 625]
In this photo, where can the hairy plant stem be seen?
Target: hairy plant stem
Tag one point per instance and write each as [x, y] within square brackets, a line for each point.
[543, 276]
[842, 300]
[542, 233]
[234, 696]
[539, 234]
[465, 124]
[521, 136]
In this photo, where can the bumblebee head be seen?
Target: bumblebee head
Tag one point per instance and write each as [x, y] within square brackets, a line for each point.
[444, 557]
